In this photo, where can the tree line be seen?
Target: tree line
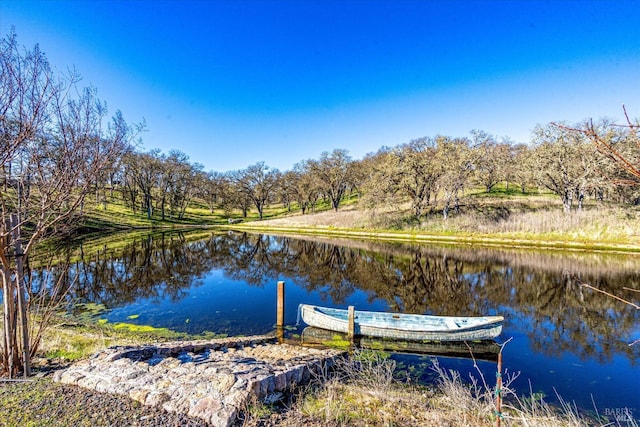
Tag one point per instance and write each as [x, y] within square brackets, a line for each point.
[427, 173]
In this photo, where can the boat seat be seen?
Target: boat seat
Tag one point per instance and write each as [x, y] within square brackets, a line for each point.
[452, 324]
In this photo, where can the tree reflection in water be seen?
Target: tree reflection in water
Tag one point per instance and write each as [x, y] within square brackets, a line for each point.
[538, 292]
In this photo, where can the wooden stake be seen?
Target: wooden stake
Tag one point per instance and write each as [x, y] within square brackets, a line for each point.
[352, 322]
[499, 384]
[499, 390]
[280, 305]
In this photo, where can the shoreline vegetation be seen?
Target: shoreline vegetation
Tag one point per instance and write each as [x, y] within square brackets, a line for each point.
[523, 221]
[461, 239]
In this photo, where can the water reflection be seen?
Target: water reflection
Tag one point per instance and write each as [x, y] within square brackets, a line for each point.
[539, 293]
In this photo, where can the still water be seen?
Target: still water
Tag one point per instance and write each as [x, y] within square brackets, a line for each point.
[566, 340]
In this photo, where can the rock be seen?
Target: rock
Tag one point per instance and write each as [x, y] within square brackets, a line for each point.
[272, 398]
[224, 382]
[70, 377]
[237, 398]
[168, 363]
[205, 407]
[210, 380]
[156, 398]
[162, 384]
[280, 381]
[139, 395]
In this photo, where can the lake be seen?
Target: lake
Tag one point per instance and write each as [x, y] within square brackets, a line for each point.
[565, 338]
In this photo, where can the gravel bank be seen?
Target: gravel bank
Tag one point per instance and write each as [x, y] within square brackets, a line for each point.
[43, 403]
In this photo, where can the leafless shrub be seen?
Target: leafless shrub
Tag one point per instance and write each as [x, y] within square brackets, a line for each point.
[54, 148]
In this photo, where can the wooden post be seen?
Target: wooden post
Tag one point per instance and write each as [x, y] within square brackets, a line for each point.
[352, 322]
[498, 411]
[280, 305]
[21, 289]
[499, 390]
[280, 313]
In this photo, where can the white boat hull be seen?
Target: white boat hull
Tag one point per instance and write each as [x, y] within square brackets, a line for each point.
[404, 326]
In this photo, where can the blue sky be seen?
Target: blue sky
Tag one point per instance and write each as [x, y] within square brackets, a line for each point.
[232, 83]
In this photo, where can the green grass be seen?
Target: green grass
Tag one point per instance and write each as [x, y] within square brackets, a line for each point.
[500, 217]
[117, 216]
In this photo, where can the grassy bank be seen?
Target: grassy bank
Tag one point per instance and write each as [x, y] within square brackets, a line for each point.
[113, 216]
[477, 239]
[601, 230]
[493, 219]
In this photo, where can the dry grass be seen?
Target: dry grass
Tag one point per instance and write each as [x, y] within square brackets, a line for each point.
[347, 217]
[362, 392]
[533, 220]
[608, 223]
[478, 398]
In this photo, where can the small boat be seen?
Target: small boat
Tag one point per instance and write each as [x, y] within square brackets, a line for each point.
[415, 327]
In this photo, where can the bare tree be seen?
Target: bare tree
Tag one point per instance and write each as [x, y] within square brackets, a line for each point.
[566, 163]
[492, 159]
[235, 197]
[409, 171]
[142, 171]
[257, 182]
[419, 169]
[304, 186]
[56, 147]
[182, 188]
[211, 188]
[334, 172]
[520, 167]
[287, 189]
[459, 160]
[620, 143]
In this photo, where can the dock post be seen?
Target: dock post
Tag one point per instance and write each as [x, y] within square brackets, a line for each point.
[280, 312]
[280, 305]
[352, 322]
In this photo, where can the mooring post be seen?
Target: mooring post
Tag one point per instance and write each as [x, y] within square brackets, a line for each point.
[352, 322]
[280, 312]
[280, 305]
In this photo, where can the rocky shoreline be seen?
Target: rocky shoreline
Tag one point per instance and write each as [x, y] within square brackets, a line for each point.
[213, 381]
